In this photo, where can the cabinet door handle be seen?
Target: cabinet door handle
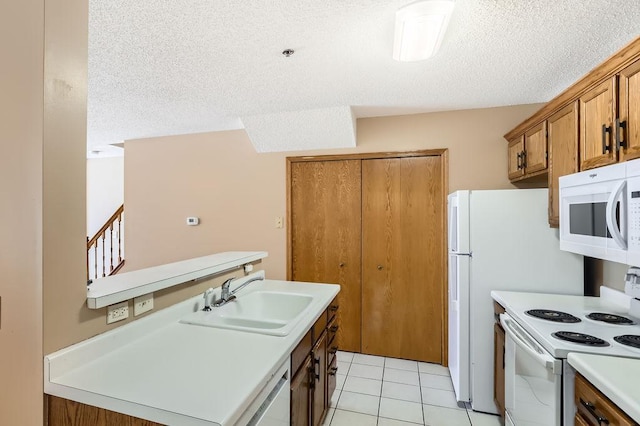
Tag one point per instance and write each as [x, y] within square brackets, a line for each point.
[316, 373]
[519, 161]
[312, 376]
[333, 308]
[333, 371]
[524, 159]
[341, 264]
[619, 141]
[333, 328]
[592, 410]
[333, 350]
[605, 145]
[380, 268]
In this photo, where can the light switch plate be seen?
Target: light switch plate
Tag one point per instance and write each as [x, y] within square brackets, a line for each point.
[142, 304]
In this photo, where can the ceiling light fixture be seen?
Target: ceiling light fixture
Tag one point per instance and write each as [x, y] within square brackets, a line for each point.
[420, 27]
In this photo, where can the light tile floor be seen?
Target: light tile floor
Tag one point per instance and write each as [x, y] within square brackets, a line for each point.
[379, 391]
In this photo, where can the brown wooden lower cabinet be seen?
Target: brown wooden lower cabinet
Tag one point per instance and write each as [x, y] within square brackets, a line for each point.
[319, 380]
[63, 412]
[595, 409]
[314, 379]
[301, 395]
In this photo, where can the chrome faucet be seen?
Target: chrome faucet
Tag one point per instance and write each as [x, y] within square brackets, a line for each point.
[226, 295]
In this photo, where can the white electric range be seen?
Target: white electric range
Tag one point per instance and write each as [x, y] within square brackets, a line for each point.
[539, 384]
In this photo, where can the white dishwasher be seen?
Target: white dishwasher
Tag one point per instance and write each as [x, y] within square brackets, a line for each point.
[271, 406]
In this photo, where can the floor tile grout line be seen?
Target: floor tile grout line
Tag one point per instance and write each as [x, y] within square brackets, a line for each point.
[424, 421]
[384, 361]
[404, 421]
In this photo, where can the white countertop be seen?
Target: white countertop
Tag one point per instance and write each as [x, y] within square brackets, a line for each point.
[615, 377]
[161, 370]
[127, 285]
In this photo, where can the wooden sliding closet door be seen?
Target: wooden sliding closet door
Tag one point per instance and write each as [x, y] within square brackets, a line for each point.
[326, 236]
[403, 257]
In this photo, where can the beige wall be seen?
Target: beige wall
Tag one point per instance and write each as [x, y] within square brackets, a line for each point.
[64, 170]
[238, 193]
[21, 85]
[43, 105]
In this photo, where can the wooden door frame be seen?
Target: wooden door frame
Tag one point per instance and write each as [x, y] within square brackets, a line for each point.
[444, 161]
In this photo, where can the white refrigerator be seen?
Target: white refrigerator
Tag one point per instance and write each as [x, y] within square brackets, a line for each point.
[498, 240]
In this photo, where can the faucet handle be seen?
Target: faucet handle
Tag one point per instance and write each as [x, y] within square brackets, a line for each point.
[207, 300]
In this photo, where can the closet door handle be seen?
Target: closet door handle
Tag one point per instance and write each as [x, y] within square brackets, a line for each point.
[380, 268]
[341, 264]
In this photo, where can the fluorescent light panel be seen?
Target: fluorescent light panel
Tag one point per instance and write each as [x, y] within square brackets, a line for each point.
[420, 27]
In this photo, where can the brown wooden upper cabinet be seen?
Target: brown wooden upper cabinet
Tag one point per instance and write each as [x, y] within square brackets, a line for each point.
[597, 109]
[528, 153]
[516, 148]
[593, 123]
[628, 123]
[563, 153]
[610, 120]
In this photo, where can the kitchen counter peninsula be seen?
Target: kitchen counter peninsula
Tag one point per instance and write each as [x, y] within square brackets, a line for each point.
[165, 371]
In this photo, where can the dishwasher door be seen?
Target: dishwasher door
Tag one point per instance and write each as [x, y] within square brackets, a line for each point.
[272, 406]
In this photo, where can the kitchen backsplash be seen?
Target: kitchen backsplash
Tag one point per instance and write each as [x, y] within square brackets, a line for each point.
[613, 274]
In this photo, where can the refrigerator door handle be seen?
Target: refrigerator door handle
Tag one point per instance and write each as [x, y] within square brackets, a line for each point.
[458, 253]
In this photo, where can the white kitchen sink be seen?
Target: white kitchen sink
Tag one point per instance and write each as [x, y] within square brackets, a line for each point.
[265, 312]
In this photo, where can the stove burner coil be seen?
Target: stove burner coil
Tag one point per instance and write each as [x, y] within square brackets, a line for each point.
[555, 316]
[609, 318]
[579, 338]
[628, 340]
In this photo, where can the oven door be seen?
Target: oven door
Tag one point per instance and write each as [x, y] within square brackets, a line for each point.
[593, 213]
[533, 379]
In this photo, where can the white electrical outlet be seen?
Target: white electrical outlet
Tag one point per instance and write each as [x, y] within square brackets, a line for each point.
[142, 304]
[118, 312]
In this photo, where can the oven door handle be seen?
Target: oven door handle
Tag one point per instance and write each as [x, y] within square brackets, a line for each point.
[522, 339]
[611, 214]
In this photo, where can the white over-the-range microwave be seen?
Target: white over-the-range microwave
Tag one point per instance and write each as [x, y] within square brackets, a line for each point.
[600, 213]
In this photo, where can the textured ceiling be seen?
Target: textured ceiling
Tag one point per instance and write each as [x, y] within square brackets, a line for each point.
[166, 67]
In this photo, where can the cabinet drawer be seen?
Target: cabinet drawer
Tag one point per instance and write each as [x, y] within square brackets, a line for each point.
[332, 310]
[301, 352]
[319, 326]
[332, 342]
[591, 404]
